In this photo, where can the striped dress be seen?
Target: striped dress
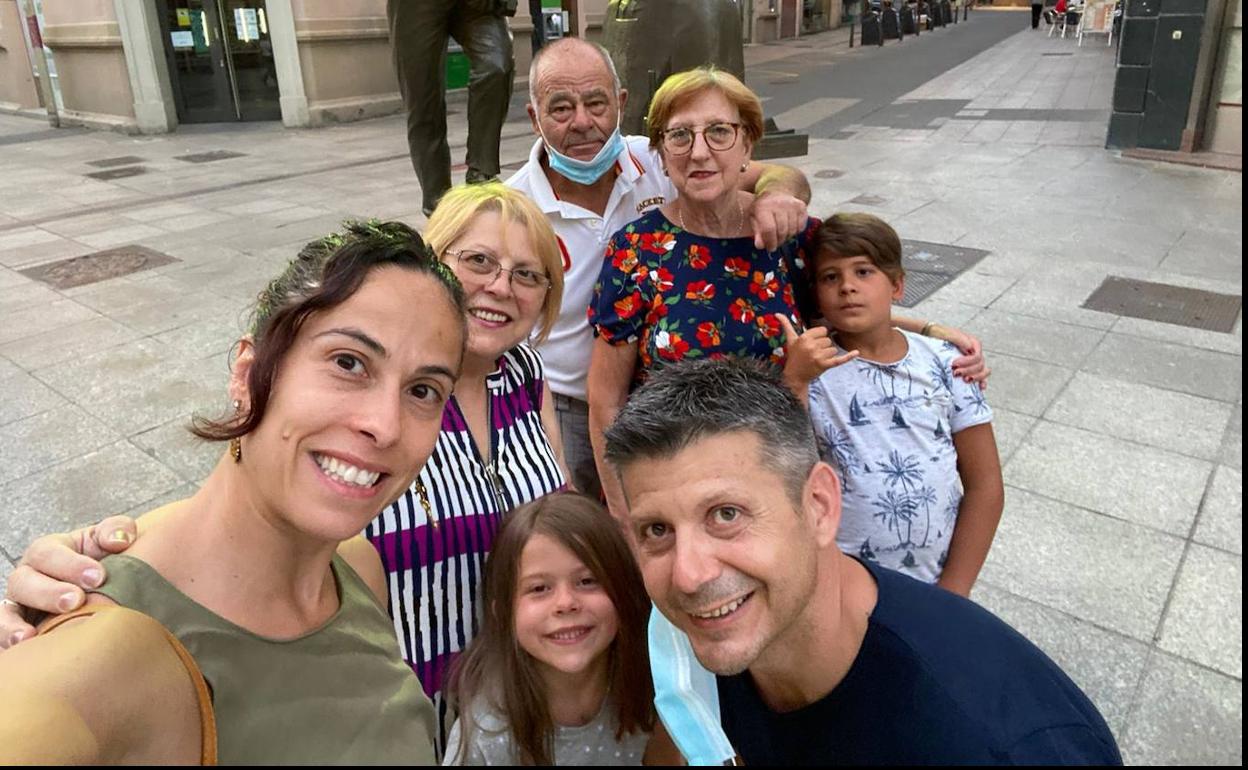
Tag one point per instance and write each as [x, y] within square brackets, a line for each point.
[433, 572]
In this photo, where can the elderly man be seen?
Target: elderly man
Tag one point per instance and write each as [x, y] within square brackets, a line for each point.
[820, 658]
[591, 181]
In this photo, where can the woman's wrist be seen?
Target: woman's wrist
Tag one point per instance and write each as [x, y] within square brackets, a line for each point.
[926, 331]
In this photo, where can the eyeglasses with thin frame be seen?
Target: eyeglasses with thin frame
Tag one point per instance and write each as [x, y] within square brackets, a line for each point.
[719, 137]
[486, 267]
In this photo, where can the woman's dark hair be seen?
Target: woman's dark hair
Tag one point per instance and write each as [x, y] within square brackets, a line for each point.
[326, 273]
[494, 666]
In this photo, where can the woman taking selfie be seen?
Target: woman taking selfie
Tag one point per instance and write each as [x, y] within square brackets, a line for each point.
[338, 395]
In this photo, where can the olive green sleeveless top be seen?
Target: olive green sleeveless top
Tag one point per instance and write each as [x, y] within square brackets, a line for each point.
[337, 695]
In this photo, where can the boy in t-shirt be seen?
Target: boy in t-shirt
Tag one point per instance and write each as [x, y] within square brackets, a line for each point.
[912, 443]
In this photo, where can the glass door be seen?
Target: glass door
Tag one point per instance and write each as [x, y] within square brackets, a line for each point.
[249, 58]
[220, 60]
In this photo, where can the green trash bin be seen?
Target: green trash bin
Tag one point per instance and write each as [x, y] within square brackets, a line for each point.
[457, 68]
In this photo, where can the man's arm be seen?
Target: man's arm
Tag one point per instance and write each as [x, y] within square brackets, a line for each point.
[983, 497]
[781, 196]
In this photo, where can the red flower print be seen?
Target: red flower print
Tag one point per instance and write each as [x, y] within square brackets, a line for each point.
[764, 286]
[741, 310]
[708, 334]
[659, 243]
[658, 309]
[662, 279]
[699, 256]
[670, 346]
[625, 260]
[737, 267]
[768, 325]
[628, 307]
[700, 291]
[788, 295]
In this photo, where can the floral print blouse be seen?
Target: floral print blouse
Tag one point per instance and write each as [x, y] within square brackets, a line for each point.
[680, 295]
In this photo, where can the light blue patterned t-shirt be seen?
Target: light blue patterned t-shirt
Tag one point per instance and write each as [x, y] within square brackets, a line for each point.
[888, 430]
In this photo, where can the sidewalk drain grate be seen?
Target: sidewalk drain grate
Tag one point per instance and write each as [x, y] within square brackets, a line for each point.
[100, 266]
[117, 173]
[929, 266]
[124, 160]
[1068, 53]
[1161, 302]
[210, 156]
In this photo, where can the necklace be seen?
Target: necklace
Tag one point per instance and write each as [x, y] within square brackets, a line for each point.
[680, 217]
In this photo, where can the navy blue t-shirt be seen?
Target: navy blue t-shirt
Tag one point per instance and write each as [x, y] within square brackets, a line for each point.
[939, 680]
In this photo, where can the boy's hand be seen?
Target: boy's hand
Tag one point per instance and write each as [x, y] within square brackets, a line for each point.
[809, 354]
[55, 569]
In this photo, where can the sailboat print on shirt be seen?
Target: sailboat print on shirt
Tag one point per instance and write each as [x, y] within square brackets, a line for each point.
[856, 415]
[898, 420]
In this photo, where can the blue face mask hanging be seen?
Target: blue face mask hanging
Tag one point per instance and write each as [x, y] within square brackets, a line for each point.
[686, 696]
[586, 172]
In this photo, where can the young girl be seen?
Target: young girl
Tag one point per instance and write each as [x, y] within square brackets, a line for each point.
[559, 673]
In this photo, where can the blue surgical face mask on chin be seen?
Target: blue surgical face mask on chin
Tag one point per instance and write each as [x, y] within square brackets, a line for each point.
[586, 172]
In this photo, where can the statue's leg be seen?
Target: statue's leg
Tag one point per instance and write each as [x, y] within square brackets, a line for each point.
[418, 35]
[486, 39]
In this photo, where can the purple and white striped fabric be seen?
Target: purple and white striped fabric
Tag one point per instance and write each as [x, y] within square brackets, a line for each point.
[433, 573]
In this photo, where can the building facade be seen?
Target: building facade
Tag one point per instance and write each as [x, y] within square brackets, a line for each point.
[147, 66]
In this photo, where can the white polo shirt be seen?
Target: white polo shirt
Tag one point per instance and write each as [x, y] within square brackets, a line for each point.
[640, 185]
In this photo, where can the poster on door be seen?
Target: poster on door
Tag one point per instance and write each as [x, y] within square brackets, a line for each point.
[246, 26]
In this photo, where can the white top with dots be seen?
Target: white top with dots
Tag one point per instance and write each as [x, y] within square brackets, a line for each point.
[593, 743]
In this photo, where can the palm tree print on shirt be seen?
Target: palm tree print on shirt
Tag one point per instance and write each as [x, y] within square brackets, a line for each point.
[906, 471]
[895, 510]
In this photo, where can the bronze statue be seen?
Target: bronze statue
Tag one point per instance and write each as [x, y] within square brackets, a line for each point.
[651, 39]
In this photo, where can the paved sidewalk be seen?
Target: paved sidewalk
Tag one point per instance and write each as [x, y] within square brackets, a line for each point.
[1120, 551]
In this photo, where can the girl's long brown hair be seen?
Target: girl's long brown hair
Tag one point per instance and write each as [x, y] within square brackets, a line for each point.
[495, 667]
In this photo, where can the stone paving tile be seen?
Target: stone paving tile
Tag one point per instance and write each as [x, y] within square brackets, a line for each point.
[22, 297]
[1009, 428]
[976, 287]
[42, 253]
[11, 279]
[209, 337]
[1168, 366]
[140, 385]
[83, 490]
[67, 342]
[1129, 481]
[1107, 666]
[1124, 570]
[118, 236]
[1165, 419]
[26, 236]
[27, 322]
[1205, 621]
[947, 312]
[48, 438]
[1033, 338]
[1219, 342]
[1185, 715]
[1024, 385]
[178, 449]
[1210, 253]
